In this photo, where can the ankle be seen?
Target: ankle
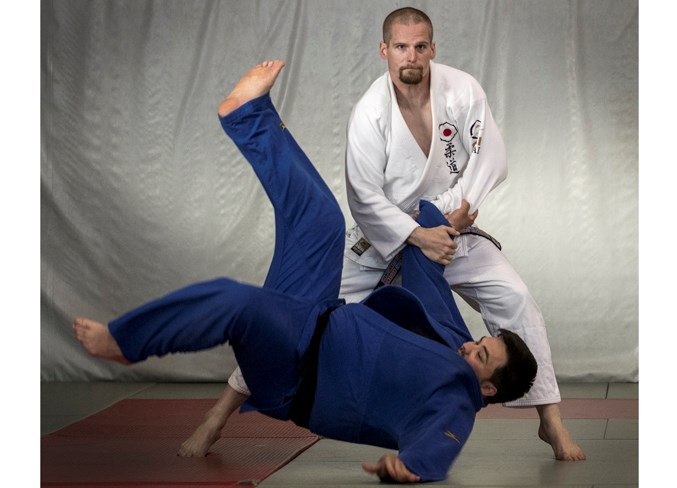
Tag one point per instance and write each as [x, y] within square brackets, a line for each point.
[549, 414]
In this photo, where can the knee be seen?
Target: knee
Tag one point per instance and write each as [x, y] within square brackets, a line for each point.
[518, 291]
[514, 296]
[520, 304]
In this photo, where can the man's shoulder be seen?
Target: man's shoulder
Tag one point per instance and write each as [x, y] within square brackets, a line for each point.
[455, 82]
[447, 71]
[374, 104]
[378, 93]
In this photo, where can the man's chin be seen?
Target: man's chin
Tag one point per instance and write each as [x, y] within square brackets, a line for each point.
[411, 76]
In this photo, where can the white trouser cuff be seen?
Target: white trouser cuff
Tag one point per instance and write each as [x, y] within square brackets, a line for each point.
[237, 383]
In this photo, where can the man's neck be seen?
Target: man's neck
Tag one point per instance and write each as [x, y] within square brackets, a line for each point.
[414, 105]
[412, 97]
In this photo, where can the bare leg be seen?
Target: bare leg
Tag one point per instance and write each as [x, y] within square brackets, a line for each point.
[553, 432]
[97, 340]
[209, 431]
[256, 82]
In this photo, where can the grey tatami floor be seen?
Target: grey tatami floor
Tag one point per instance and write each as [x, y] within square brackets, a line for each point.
[500, 453]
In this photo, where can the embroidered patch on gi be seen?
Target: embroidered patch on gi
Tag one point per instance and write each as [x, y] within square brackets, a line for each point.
[447, 134]
[453, 436]
[361, 246]
[476, 133]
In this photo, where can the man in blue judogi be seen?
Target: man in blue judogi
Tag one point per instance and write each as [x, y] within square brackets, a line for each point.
[399, 370]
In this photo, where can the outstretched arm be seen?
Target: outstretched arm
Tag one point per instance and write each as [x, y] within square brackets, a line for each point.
[391, 468]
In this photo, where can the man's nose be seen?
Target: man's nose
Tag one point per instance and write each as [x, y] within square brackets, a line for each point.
[411, 54]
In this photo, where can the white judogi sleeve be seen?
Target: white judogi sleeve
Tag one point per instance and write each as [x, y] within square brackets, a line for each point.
[486, 166]
[384, 224]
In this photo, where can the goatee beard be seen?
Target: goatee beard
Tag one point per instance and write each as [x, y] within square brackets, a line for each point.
[411, 75]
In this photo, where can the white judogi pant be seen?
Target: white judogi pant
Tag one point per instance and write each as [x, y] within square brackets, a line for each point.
[487, 281]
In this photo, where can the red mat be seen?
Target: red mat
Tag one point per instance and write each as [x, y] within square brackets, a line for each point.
[134, 444]
[571, 408]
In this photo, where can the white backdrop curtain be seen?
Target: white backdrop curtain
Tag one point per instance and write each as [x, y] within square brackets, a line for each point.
[141, 192]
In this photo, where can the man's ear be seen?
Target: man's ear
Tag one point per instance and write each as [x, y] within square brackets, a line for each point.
[382, 50]
[488, 388]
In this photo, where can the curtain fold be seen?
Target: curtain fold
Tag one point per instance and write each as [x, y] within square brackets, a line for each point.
[141, 192]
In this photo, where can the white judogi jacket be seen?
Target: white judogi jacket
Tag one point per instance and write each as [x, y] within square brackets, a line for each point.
[387, 173]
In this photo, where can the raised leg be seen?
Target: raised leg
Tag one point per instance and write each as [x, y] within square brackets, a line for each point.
[309, 225]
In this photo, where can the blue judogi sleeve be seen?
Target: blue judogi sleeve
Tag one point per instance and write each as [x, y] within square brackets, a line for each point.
[438, 431]
[425, 278]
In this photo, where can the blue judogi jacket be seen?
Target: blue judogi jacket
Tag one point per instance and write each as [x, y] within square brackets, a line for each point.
[389, 374]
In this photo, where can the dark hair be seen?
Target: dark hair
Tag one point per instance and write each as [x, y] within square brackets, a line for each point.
[515, 379]
[406, 15]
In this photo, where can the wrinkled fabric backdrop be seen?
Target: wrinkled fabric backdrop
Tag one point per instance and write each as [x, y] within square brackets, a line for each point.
[142, 192]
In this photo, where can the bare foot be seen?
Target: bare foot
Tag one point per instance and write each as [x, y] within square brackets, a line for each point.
[256, 82]
[97, 340]
[209, 431]
[553, 432]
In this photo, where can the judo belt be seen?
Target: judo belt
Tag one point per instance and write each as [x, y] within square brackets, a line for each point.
[395, 264]
[302, 404]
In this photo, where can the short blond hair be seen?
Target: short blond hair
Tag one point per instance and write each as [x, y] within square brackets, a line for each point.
[405, 15]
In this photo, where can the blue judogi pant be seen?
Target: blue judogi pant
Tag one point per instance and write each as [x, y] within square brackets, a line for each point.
[268, 327]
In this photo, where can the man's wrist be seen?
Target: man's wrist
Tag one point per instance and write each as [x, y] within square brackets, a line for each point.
[414, 238]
